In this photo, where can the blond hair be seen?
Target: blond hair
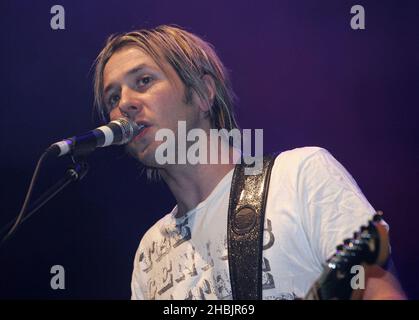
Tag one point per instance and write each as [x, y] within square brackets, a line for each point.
[191, 58]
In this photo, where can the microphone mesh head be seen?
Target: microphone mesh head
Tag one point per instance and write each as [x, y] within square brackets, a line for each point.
[129, 129]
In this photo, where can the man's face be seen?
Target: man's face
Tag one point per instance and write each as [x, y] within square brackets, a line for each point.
[137, 88]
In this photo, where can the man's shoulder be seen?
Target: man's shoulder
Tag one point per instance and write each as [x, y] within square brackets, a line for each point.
[295, 158]
[295, 166]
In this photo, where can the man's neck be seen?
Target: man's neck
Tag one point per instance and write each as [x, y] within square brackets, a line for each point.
[192, 184]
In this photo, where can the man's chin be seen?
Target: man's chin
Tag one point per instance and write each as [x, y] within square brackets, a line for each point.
[145, 156]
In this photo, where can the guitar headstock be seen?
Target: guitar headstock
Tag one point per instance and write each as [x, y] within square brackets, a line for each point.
[369, 246]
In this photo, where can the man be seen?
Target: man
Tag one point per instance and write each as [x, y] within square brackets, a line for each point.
[165, 76]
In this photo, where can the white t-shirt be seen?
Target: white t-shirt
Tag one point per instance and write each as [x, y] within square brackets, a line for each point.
[313, 205]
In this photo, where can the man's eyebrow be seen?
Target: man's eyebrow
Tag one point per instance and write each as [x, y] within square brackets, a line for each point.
[130, 72]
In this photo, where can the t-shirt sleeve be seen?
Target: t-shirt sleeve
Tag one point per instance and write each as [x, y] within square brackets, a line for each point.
[333, 206]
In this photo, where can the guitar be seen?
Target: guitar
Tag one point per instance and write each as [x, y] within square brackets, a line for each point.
[369, 246]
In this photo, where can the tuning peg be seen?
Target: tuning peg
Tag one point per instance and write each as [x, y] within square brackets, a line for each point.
[339, 247]
[356, 235]
[378, 216]
[347, 241]
[363, 228]
[365, 237]
[357, 243]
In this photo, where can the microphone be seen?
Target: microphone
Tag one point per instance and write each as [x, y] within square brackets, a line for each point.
[116, 132]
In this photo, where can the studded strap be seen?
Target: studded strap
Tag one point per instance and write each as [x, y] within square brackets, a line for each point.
[246, 214]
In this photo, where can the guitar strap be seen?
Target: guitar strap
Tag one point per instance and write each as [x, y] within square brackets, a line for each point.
[245, 225]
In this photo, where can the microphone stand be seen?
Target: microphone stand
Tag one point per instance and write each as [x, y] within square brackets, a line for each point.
[75, 172]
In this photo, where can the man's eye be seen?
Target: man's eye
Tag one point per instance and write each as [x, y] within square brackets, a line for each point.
[144, 81]
[113, 99]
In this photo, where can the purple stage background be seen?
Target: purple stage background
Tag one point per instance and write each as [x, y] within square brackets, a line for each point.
[300, 72]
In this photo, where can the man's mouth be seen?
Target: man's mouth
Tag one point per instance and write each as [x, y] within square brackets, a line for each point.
[142, 131]
[141, 127]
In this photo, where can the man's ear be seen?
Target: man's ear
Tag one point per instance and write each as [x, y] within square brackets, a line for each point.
[210, 87]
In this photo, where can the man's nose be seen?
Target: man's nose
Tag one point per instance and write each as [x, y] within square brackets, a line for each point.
[130, 104]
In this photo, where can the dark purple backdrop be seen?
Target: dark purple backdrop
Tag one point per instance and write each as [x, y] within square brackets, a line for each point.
[301, 73]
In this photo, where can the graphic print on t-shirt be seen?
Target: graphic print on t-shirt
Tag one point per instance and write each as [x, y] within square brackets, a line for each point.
[186, 263]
